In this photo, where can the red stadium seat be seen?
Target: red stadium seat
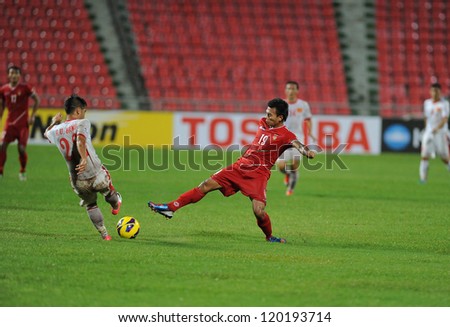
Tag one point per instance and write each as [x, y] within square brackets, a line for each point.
[51, 41]
[409, 57]
[225, 51]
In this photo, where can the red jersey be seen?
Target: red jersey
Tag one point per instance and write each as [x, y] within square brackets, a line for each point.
[16, 100]
[268, 145]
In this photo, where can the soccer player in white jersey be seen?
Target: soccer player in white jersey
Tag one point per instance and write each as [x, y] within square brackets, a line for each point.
[299, 113]
[434, 139]
[87, 174]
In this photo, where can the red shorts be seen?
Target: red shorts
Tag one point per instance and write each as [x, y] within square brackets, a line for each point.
[12, 133]
[250, 182]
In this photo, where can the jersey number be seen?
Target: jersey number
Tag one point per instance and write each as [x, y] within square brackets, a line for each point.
[13, 98]
[65, 145]
[263, 139]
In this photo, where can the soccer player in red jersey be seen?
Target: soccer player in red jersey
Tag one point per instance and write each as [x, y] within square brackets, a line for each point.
[15, 96]
[251, 172]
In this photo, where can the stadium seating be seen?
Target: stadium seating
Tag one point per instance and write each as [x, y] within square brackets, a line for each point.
[412, 44]
[239, 51]
[54, 43]
[228, 55]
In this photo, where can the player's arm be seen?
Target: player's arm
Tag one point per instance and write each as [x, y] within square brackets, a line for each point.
[36, 102]
[303, 149]
[424, 110]
[444, 120]
[441, 124]
[81, 146]
[309, 129]
[56, 120]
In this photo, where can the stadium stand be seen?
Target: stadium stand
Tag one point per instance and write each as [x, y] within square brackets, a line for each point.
[214, 51]
[229, 55]
[412, 44]
[54, 43]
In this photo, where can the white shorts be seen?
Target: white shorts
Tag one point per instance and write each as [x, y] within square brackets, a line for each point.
[87, 189]
[290, 155]
[435, 144]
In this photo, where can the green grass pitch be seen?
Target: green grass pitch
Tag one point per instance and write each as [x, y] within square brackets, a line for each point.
[366, 236]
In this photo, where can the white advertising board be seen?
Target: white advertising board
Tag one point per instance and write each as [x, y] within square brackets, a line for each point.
[352, 134]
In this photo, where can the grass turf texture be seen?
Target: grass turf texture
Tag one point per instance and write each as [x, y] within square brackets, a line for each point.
[366, 236]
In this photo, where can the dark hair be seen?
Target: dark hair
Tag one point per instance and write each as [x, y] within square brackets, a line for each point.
[281, 106]
[293, 82]
[16, 68]
[436, 85]
[73, 102]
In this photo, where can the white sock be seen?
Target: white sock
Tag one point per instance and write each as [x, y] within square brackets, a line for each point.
[96, 217]
[423, 170]
[293, 177]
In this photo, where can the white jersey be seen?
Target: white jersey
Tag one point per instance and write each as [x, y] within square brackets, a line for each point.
[299, 111]
[434, 112]
[64, 136]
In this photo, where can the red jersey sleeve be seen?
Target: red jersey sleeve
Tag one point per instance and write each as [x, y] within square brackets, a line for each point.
[291, 137]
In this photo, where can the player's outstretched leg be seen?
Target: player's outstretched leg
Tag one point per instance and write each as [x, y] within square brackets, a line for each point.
[96, 217]
[167, 210]
[162, 209]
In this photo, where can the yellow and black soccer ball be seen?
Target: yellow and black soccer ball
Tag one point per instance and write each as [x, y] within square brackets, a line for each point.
[128, 227]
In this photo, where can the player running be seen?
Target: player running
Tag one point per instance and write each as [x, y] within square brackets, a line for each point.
[87, 174]
[15, 96]
[251, 172]
[299, 114]
[434, 140]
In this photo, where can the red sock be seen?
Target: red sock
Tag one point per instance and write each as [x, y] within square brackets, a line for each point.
[265, 225]
[2, 160]
[186, 198]
[23, 158]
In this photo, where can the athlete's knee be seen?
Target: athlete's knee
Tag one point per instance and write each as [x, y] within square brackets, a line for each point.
[91, 206]
[258, 210]
[111, 195]
[22, 149]
[295, 165]
[208, 186]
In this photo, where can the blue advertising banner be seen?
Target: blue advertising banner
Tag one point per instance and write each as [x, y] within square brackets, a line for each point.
[400, 135]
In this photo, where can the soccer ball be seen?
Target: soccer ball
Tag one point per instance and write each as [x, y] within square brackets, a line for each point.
[128, 227]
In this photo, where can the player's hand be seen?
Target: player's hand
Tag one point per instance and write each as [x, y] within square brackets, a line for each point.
[81, 167]
[31, 120]
[310, 154]
[57, 119]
